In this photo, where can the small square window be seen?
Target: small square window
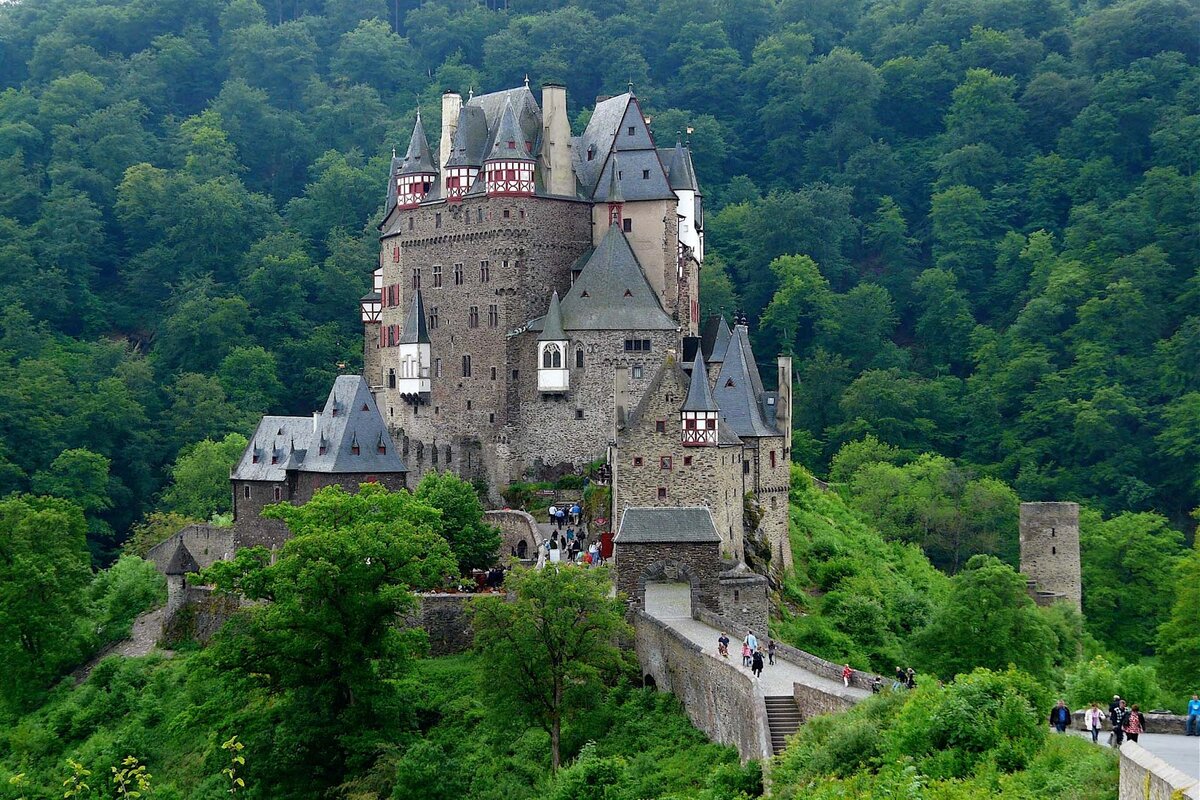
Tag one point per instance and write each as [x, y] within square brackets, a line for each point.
[660, 426]
[664, 462]
[662, 493]
[637, 461]
[627, 225]
[278, 494]
[437, 220]
[246, 492]
[645, 174]
[687, 461]
[637, 370]
[468, 405]
[491, 418]
[630, 131]
[507, 213]
[579, 413]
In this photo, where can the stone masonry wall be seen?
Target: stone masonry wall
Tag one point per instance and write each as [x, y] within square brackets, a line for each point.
[718, 698]
[515, 526]
[713, 478]
[206, 543]
[697, 563]
[1050, 548]
[200, 616]
[445, 621]
[771, 484]
[1145, 776]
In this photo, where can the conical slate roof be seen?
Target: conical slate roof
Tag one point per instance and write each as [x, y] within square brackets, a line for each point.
[552, 327]
[418, 159]
[415, 330]
[391, 190]
[739, 389]
[699, 396]
[715, 338]
[612, 292]
[680, 174]
[470, 138]
[510, 139]
[182, 562]
[614, 184]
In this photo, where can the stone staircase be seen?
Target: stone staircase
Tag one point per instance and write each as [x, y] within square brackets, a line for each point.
[783, 718]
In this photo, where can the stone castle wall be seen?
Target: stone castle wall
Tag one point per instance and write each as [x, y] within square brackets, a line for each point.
[515, 527]
[200, 615]
[698, 564]
[1050, 549]
[719, 699]
[713, 478]
[207, 544]
[445, 620]
[770, 480]
[1145, 776]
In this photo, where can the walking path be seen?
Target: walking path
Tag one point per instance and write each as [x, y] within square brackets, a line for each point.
[671, 603]
[1181, 752]
[146, 631]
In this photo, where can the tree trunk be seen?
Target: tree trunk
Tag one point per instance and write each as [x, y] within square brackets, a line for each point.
[555, 729]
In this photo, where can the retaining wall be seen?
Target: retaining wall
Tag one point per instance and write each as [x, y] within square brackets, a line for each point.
[1145, 776]
[207, 544]
[1155, 723]
[444, 619]
[515, 526]
[201, 614]
[720, 700]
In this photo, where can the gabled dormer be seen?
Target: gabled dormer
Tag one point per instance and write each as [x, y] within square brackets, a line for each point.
[418, 170]
[553, 373]
[699, 414]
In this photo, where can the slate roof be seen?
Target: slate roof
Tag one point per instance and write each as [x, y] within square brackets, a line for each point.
[418, 159]
[509, 141]
[470, 138]
[415, 330]
[390, 203]
[612, 292]
[552, 328]
[182, 562]
[715, 339]
[350, 417]
[699, 396]
[670, 369]
[739, 391]
[681, 173]
[597, 138]
[675, 525]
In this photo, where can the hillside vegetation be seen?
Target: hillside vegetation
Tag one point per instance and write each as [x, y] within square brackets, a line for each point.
[973, 223]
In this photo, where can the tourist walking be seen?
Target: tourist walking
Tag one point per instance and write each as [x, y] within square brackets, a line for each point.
[756, 663]
[901, 679]
[1060, 717]
[1120, 720]
[562, 518]
[723, 645]
[771, 651]
[1093, 720]
[877, 685]
[751, 640]
[1193, 716]
[745, 654]
[847, 673]
[911, 678]
[552, 514]
[575, 512]
[1136, 725]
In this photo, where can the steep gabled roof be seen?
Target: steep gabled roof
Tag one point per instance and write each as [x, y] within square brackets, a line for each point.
[649, 525]
[415, 330]
[182, 562]
[597, 139]
[612, 292]
[552, 327]
[699, 396]
[467, 146]
[715, 339]
[739, 390]
[670, 371]
[418, 159]
[350, 419]
[274, 440]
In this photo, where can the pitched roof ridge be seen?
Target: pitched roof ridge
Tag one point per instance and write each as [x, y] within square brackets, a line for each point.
[699, 396]
[552, 327]
[418, 159]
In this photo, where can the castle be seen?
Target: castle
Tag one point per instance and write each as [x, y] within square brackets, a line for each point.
[536, 308]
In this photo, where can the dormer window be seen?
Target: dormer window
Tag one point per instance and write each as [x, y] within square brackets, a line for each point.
[382, 449]
[512, 145]
[630, 131]
[366, 407]
[274, 459]
[254, 458]
[322, 450]
[628, 293]
[729, 383]
[355, 449]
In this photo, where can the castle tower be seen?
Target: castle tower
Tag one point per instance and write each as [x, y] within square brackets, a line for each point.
[181, 565]
[1050, 551]
[509, 168]
[553, 373]
[412, 351]
[699, 413]
[418, 171]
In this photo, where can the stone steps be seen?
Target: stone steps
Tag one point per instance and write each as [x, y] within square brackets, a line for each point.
[783, 718]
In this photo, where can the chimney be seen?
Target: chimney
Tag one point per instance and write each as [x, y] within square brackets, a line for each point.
[451, 105]
[558, 173]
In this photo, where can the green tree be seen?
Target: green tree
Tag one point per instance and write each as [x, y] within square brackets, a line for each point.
[44, 570]
[82, 477]
[987, 621]
[554, 642]
[1178, 639]
[200, 478]
[474, 542]
[155, 527]
[328, 646]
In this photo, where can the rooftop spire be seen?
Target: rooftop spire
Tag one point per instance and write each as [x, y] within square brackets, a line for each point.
[614, 182]
[418, 159]
[510, 139]
[699, 396]
[552, 328]
[415, 330]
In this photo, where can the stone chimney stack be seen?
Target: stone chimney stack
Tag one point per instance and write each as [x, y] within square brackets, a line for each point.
[451, 105]
[557, 171]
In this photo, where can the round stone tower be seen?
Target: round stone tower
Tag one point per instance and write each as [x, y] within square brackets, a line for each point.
[1050, 551]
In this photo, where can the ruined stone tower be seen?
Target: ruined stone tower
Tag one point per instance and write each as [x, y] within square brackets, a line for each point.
[1050, 552]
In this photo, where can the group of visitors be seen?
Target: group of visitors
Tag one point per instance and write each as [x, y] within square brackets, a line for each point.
[565, 515]
[905, 679]
[753, 654]
[1128, 722]
[578, 549]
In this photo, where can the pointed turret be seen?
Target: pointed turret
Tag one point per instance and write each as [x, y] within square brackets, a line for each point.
[679, 173]
[553, 373]
[413, 353]
[616, 200]
[699, 413]
[508, 169]
[418, 170]
[182, 561]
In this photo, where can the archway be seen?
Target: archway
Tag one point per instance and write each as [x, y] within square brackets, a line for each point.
[668, 589]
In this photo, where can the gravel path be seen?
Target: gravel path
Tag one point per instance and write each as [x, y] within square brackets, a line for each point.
[143, 637]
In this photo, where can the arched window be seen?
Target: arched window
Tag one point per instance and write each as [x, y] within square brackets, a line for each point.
[579, 358]
[552, 357]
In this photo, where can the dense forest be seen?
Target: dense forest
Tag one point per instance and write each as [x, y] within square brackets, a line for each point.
[973, 223]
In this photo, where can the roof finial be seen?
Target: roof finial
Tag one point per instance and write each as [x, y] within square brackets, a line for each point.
[393, 151]
[631, 85]
[526, 80]
[470, 93]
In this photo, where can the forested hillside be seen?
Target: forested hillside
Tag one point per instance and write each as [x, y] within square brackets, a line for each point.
[973, 223]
